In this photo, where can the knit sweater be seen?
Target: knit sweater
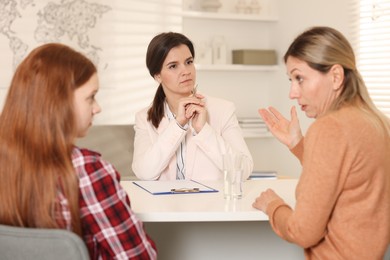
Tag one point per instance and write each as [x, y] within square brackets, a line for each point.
[342, 208]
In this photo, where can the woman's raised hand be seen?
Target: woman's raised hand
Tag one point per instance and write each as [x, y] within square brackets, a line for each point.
[286, 131]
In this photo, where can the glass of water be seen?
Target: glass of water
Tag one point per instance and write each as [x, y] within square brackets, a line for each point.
[233, 171]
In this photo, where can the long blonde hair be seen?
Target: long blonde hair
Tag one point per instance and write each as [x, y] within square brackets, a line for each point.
[323, 47]
[38, 130]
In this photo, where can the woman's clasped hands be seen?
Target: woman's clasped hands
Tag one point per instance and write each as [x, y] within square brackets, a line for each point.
[192, 109]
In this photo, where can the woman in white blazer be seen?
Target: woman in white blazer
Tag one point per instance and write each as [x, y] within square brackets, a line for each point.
[183, 134]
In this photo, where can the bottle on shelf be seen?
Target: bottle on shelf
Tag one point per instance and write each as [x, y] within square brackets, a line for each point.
[219, 50]
[205, 53]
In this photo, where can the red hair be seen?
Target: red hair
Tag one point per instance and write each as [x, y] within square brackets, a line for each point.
[38, 130]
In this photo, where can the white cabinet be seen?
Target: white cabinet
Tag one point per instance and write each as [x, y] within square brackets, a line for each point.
[239, 31]
[246, 85]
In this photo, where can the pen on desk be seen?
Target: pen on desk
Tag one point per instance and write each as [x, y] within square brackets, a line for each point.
[185, 190]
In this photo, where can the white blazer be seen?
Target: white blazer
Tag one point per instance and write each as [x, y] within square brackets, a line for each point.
[154, 155]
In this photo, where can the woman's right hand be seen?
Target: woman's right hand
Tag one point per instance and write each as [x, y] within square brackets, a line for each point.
[287, 132]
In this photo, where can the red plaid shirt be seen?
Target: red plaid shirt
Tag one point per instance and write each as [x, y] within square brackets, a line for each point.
[110, 228]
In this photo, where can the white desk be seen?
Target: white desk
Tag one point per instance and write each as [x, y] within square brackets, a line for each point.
[206, 226]
[208, 207]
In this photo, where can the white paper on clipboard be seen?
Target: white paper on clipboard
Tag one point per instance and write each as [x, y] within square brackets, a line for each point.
[174, 187]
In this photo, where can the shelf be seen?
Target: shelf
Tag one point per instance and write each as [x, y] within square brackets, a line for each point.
[248, 136]
[229, 16]
[235, 67]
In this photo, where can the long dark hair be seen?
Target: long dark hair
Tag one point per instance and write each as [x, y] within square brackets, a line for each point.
[158, 50]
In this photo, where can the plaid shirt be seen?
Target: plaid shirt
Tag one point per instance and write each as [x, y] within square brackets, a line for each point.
[110, 228]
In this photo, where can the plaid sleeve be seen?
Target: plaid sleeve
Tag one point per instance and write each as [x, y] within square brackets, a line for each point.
[110, 228]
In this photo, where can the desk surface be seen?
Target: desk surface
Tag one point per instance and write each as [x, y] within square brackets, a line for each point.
[208, 207]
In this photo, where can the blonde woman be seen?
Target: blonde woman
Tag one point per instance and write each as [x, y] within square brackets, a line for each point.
[342, 206]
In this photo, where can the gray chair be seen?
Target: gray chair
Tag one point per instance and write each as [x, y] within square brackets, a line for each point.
[17, 243]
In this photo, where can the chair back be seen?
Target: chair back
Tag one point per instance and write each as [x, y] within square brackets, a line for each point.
[18, 243]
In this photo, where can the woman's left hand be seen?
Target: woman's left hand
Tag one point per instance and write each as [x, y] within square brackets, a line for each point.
[264, 199]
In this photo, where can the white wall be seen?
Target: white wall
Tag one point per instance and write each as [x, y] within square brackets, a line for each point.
[248, 91]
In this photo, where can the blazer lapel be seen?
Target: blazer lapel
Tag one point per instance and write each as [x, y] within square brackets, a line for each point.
[171, 168]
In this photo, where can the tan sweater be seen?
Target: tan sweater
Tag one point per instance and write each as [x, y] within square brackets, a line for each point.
[342, 206]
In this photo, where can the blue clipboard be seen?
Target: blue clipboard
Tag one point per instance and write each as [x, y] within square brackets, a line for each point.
[174, 187]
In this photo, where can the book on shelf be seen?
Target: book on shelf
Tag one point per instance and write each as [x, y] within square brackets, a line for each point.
[255, 175]
[250, 120]
[253, 126]
[255, 130]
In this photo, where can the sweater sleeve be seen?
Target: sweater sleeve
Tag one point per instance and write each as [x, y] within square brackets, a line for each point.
[298, 150]
[318, 188]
